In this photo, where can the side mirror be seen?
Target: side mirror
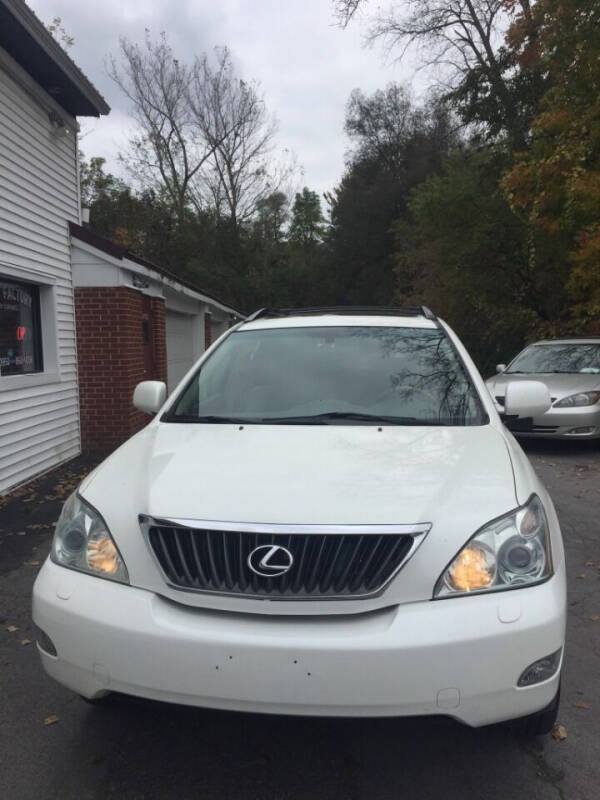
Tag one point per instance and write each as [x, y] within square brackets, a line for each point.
[527, 398]
[149, 396]
[500, 367]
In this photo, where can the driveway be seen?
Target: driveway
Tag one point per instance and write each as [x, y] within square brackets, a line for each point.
[134, 749]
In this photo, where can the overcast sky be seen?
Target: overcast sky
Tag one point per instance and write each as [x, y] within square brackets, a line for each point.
[307, 66]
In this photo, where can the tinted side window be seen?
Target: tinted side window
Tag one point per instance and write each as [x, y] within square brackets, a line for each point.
[20, 335]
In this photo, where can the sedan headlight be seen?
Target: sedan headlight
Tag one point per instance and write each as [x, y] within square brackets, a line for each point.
[83, 542]
[507, 553]
[581, 399]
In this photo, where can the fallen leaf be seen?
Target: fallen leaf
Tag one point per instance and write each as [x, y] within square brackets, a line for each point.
[31, 563]
[595, 617]
[25, 642]
[580, 705]
[559, 732]
[12, 628]
[590, 563]
[581, 577]
[53, 719]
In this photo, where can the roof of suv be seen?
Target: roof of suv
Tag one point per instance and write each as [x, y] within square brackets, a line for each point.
[410, 317]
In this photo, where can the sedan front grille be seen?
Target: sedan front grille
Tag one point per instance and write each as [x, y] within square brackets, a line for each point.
[526, 425]
[500, 399]
[323, 565]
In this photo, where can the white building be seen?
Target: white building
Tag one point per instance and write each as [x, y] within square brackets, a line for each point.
[41, 94]
[135, 321]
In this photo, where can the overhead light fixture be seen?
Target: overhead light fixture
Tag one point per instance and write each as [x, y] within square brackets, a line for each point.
[139, 282]
[59, 126]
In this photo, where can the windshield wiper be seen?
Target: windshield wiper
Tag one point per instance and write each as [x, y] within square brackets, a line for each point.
[311, 419]
[211, 418]
[332, 416]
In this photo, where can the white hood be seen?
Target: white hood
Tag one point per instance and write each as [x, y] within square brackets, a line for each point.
[455, 478]
[326, 474]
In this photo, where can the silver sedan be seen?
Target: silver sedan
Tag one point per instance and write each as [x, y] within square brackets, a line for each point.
[570, 368]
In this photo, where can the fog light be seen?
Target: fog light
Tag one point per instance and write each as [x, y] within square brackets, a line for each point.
[588, 429]
[540, 670]
[45, 642]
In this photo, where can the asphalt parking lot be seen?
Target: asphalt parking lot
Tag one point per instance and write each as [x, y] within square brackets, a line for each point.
[143, 750]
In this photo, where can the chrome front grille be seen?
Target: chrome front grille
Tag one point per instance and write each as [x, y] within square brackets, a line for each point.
[324, 564]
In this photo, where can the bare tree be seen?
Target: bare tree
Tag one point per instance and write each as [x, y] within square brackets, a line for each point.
[346, 9]
[184, 115]
[382, 123]
[166, 151]
[241, 171]
[460, 36]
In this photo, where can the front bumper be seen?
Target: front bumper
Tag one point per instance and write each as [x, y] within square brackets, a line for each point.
[564, 432]
[461, 657]
[581, 422]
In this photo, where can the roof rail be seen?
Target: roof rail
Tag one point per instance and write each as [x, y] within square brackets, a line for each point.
[402, 311]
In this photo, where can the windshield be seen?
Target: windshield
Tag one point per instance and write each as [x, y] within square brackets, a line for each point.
[325, 375]
[568, 358]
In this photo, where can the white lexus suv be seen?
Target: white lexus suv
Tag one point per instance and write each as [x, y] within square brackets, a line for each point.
[327, 517]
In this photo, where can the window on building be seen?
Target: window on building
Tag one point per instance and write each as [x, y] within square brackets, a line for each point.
[20, 333]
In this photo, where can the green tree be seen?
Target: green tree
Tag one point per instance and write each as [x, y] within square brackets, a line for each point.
[306, 228]
[306, 265]
[147, 224]
[397, 145]
[463, 252]
[267, 253]
[95, 182]
[57, 29]
[272, 213]
[555, 183]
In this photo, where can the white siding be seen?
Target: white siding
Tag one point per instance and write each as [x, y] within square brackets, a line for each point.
[39, 421]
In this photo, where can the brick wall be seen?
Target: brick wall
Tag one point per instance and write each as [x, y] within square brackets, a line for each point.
[110, 354]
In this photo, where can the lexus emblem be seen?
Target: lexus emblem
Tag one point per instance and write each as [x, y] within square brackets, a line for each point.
[270, 560]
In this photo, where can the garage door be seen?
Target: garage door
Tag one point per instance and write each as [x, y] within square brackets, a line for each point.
[179, 346]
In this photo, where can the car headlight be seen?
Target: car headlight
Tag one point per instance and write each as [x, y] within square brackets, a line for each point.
[581, 399]
[507, 553]
[83, 542]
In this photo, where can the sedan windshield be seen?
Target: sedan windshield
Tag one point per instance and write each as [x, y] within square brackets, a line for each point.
[332, 375]
[561, 357]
